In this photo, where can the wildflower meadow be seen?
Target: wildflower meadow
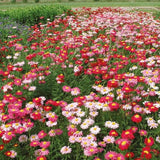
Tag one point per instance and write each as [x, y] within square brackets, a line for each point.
[84, 86]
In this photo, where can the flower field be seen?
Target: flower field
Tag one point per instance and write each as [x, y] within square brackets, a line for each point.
[85, 86]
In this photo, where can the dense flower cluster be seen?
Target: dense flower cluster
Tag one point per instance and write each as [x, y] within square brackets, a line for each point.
[91, 80]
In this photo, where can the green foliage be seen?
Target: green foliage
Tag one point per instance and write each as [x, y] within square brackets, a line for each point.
[13, 1]
[37, 1]
[34, 15]
[8, 26]
[157, 15]
[25, 1]
[87, 3]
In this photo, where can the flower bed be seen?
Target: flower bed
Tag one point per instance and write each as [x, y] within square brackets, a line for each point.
[84, 86]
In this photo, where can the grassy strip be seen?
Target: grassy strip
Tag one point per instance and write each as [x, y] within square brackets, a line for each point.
[83, 4]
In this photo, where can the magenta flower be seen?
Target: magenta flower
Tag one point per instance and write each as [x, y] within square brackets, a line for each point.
[66, 88]
[143, 132]
[110, 155]
[44, 144]
[41, 134]
[34, 143]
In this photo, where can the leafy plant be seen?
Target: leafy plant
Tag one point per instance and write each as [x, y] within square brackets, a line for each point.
[37, 1]
[25, 1]
[9, 27]
[13, 1]
[34, 15]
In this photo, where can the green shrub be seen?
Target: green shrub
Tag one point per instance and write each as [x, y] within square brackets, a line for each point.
[36, 1]
[13, 1]
[25, 1]
[10, 27]
[32, 15]
[157, 15]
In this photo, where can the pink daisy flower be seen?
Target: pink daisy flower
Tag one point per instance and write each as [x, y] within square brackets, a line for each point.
[17, 82]
[102, 144]
[66, 88]
[120, 157]
[143, 132]
[13, 154]
[44, 144]
[52, 133]
[72, 139]
[41, 134]
[44, 151]
[23, 138]
[89, 151]
[41, 158]
[8, 135]
[96, 158]
[34, 143]
[58, 131]
[110, 155]
[75, 91]
[20, 130]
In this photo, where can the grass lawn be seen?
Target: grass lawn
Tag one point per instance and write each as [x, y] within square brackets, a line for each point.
[7, 5]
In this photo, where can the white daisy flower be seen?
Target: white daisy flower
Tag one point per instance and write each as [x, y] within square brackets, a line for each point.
[158, 139]
[23, 138]
[85, 142]
[152, 125]
[150, 120]
[108, 123]
[90, 137]
[32, 88]
[109, 139]
[93, 144]
[76, 120]
[6, 127]
[66, 113]
[65, 150]
[98, 105]
[34, 137]
[79, 139]
[106, 107]
[84, 125]
[105, 90]
[112, 125]
[71, 106]
[89, 105]
[51, 124]
[16, 125]
[95, 130]
[127, 107]
[93, 113]
[89, 121]
[80, 113]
